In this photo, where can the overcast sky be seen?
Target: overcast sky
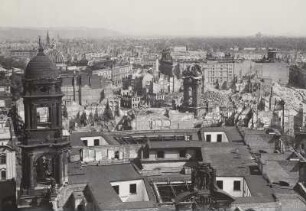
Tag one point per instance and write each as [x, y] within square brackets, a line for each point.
[162, 17]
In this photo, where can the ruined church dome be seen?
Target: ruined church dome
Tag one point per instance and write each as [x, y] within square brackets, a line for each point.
[41, 67]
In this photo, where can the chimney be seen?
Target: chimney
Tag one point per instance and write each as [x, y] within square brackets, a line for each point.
[80, 89]
[270, 99]
[302, 171]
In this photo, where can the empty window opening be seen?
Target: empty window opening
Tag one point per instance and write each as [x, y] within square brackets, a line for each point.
[116, 189]
[237, 186]
[160, 154]
[96, 142]
[133, 189]
[208, 138]
[220, 184]
[219, 138]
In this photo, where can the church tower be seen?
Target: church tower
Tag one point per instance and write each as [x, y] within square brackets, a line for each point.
[44, 150]
[48, 41]
[192, 82]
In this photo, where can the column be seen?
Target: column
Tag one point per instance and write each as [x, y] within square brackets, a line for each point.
[31, 170]
[66, 166]
[59, 113]
[186, 93]
[33, 116]
[60, 170]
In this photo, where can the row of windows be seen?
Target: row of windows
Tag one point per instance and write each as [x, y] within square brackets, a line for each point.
[96, 142]
[161, 154]
[133, 189]
[116, 154]
[237, 185]
[219, 138]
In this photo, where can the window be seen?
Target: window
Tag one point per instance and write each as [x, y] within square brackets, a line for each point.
[208, 138]
[182, 153]
[133, 189]
[220, 184]
[188, 137]
[116, 189]
[43, 114]
[237, 186]
[160, 154]
[219, 138]
[3, 175]
[96, 142]
[3, 159]
[85, 142]
[117, 154]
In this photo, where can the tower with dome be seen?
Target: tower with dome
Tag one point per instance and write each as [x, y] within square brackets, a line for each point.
[44, 149]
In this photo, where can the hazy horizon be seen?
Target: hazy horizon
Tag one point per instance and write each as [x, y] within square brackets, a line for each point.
[222, 18]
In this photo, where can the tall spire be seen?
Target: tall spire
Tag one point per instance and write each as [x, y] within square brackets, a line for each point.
[48, 39]
[40, 48]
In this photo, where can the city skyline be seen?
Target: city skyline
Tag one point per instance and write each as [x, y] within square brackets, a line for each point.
[162, 18]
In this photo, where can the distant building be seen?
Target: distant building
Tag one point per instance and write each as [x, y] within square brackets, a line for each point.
[7, 152]
[128, 101]
[180, 49]
[23, 54]
[168, 73]
[105, 73]
[161, 119]
[82, 88]
[119, 72]
[220, 72]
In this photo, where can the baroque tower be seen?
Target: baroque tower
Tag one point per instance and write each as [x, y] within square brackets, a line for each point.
[44, 150]
[48, 41]
[192, 82]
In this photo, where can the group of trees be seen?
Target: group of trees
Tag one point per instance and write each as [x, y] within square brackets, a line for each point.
[16, 86]
[17, 121]
[9, 63]
[104, 121]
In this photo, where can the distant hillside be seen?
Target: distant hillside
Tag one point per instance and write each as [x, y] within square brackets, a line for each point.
[10, 33]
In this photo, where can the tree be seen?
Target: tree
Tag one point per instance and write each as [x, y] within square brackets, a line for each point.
[2, 75]
[224, 85]
[217, 86]
[261, 105]
[16, 86]
[107, 114]
[18, 123]
[83, 119]
[233, 84]
[102, 95]
[96, 116]
[71, 124]
[91, 119]
[78, 119]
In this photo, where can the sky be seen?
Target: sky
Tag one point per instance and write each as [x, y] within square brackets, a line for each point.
[162, 17]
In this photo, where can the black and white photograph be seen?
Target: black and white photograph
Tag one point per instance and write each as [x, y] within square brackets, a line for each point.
[152, 105]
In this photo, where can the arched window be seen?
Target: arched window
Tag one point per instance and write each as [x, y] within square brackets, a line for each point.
[2, 158]
[3, 174]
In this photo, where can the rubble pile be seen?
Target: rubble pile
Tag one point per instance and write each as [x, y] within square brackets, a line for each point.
[216, 98]
[293, 97]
